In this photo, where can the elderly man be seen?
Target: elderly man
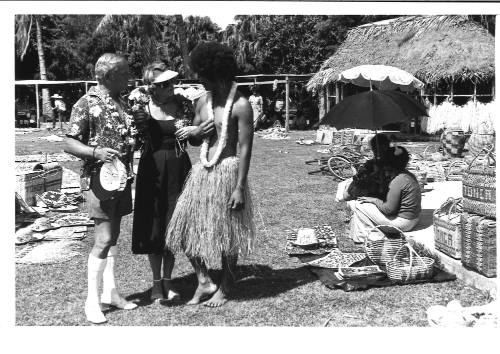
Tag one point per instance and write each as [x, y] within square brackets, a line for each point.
[100, 132]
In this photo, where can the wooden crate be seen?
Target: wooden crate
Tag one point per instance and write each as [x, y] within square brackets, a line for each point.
[29, 184]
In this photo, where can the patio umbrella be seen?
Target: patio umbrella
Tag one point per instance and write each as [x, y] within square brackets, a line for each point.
[383, 77]
[373, 109]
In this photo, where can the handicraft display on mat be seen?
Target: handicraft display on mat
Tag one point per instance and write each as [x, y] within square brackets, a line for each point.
[325, 236]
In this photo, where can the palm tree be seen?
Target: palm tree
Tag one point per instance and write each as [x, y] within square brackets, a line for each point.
[146, 28]
[183, 45]
[244, 38]
[24, 24]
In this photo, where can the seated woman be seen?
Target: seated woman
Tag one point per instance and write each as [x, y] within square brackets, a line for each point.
[402, 206]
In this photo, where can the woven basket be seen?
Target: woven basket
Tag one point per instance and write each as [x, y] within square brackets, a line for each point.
[455, 171]
[479, 244]
[435, 172]
[407, 268]
[29, 184]
[447, 228]
[382, 251]
[52, 176]
[347, 136]
[479, 189]
[479, 141]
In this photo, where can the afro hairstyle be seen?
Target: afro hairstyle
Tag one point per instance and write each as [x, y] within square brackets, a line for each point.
[213, 61]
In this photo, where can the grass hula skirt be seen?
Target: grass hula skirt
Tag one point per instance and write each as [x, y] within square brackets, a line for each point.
[202, 224]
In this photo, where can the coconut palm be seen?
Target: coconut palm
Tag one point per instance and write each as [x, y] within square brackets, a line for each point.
[23, 33]
[243, 37]
[145, 29]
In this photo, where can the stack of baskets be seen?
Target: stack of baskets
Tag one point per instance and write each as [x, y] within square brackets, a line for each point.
[478, 221]
[401, 262]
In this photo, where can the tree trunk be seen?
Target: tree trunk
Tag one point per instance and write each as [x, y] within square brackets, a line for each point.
[181, 31]
[46, 107]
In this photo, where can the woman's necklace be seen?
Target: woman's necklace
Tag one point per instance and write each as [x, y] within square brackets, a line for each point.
[223, 135]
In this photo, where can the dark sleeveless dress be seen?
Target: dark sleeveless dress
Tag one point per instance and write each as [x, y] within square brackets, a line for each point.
[162, 170]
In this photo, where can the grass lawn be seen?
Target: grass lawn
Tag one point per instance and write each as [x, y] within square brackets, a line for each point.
[272, 288]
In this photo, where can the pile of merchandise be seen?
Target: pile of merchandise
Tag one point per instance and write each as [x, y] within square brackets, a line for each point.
[465, 228]
[276, 132]
[475, 117]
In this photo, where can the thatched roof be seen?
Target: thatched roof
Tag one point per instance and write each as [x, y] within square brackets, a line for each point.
[431, 48]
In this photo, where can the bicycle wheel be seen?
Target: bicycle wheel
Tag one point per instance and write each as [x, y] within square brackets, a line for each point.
[341, 167]
[319, 161]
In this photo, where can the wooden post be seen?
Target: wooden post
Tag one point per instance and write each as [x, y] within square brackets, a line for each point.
[451, 91]
[86, 86]
[287, 105]
[371, 88]
[475, 92]
[327, 98]
[341, 91]
[37, 107]
[337, 92]
[493, 83]
[435, 98]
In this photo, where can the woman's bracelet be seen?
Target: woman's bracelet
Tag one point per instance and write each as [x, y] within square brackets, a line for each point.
[93, 152]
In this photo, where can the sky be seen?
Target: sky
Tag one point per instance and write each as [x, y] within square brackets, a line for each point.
[223, 18]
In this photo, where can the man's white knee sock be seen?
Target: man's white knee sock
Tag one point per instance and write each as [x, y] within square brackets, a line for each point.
[110, 294]
[95, 271]
[109, 282]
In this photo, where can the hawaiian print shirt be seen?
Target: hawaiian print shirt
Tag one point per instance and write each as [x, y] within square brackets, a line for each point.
[95, 121]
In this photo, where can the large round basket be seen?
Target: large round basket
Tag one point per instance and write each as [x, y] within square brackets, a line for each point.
[409, 266]
[382, 251]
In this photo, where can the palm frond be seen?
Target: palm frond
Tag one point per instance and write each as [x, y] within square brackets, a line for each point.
[23, 33]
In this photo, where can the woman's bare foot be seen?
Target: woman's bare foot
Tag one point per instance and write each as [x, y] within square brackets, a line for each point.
[217, 300]
[203, 291]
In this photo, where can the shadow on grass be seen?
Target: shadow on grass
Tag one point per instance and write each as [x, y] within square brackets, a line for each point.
[252, 282]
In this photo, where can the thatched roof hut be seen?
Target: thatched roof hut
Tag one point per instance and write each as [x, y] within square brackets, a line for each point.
[432, 48]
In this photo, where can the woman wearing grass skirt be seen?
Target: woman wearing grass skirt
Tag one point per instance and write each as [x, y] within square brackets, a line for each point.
[163, 169]
[213, 219]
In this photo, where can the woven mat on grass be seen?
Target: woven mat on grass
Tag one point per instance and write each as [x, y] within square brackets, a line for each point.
[48, 252]
[332, 281]
[336, 259]
[64, 233]
[326, 237]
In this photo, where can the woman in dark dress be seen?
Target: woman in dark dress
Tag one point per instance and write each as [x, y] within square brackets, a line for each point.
[163, 168]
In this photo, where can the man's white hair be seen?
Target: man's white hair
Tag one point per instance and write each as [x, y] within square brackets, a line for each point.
[106, 64]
